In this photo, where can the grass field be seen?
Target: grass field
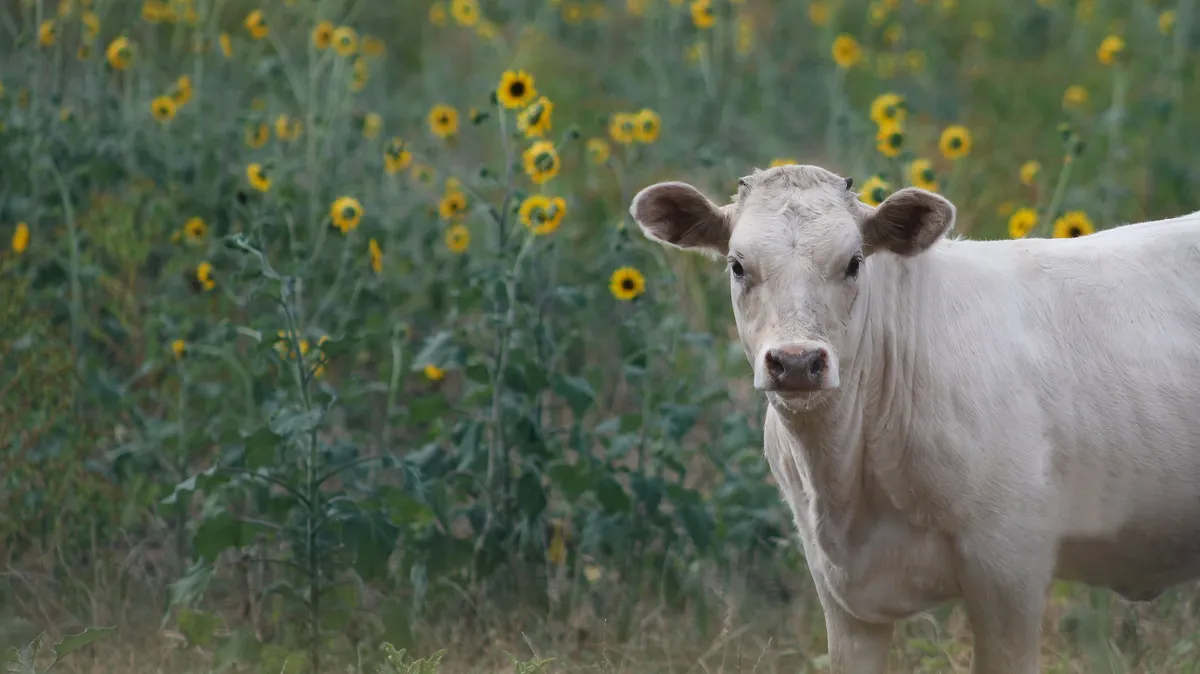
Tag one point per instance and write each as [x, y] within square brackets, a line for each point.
[324, 326]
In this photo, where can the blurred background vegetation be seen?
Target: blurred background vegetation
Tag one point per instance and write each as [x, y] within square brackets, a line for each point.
[324, 330]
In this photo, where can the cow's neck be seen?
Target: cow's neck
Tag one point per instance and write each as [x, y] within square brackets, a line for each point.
[832, 435]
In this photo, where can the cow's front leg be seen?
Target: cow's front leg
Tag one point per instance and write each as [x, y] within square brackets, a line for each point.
[855, 646]
[1004, 585]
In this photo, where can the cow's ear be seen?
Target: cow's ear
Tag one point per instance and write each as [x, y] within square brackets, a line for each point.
[908, 222]
[677, 214]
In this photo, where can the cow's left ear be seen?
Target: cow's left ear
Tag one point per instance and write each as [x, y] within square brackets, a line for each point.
[908, 222]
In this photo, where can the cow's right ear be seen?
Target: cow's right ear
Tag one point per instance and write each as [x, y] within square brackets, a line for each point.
[677, 214]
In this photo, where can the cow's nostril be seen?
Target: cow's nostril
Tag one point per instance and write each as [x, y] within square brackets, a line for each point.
[817, 364]
[775, 366]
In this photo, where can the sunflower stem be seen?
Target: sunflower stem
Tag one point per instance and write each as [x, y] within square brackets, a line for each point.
[1047, 222]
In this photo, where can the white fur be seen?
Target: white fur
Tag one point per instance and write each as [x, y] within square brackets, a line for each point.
[1009, 412]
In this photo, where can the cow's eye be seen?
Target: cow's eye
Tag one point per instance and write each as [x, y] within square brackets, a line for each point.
[853, 266]
[736, 269]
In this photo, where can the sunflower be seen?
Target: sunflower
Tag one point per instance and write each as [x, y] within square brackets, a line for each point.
[322, 35]
[452, 205]
[195, 229]
[433, 372]
[702, 14]
[179, 347]
[181, 92]
[1111, 49]
[345, 41]
[888, 109]
[443, 120]
[541, 161]
[622, 128]
[955, 142]
[920, 174]
[256, 24]
[516, 89]
[119, 53]
[915, 60]
[423, 173]
[889, 140]
[257, 175]
[535, 120]
[874, 191]
[818, 12]
[782, 161]
[375, 255]
[598, 150]
[345, 213]
[458, 238]
[47, 33]
[1073, 224]
[437, 14]
[226, 45]
[372, 124]
[1029, 172]
[626, 283]
[20, 238]
[396, 157]
[257, 136]
[362, 73]
[91, 25]
[1166, 21]
[1075, 96]
[163, 108]
[542, 214]
[373, 46]
[846, 52]
[1021, 222]
[646, 124]
[465, 12]
[204, 274]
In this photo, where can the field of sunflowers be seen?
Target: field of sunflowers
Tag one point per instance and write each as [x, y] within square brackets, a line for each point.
[327, 342]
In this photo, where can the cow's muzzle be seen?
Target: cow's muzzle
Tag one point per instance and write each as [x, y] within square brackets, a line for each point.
[797, 368]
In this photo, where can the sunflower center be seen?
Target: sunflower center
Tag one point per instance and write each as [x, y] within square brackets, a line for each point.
[444, 120]
[927, 175]
[627, 284]
[516, 89]
[877, 194]
[544, 161]
[956, 143]
[349, 212]
[648, 126]
[1075, 231]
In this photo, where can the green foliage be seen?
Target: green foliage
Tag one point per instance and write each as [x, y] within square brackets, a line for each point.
[24, 659]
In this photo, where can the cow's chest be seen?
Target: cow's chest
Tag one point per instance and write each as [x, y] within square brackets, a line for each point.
[883, 569]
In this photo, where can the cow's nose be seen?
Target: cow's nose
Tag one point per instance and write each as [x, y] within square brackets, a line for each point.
[791, 368]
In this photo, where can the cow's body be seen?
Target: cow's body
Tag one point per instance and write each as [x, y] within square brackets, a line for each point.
[1003, 413]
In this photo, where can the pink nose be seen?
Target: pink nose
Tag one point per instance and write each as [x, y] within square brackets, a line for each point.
[796, 369]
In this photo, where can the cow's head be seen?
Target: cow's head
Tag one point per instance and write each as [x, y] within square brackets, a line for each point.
[798, 243]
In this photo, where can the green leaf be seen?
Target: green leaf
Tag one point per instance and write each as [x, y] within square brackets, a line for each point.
[205, 481]
[435, 351]
[577, 391]
[425, 409]
[191, 586]
[612, 495]
[221, 532]
[24, 660]
[571, 479]
[531, 498]
[297, 421]
[372, 538]
[699, 525]
[73, 642]
[260, 448]
[197, 626]
[239, 648]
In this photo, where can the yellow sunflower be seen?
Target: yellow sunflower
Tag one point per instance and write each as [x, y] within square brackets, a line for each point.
[1110, 50]
[874, 191]
[47, 33]
[1029, 172]
[423, 173]
[345, 213]
[535, 120]
[373, 46]
[818, 12]
[626, 283]
[433, 372]
[1075, 96]
[622, 128]
[541, 161]
[516, 89]
[888, 109]
[846, 51]
[542, 214]
[1166, 21]
[195, 229]
[372, 124]
[257, 136]
[437, 14]
[1021, 222]
[181, 92]
[955, 142]
[396, 156]
[179, 348]
[322, 35]
[783, 161]
[257, 175]
[226, 45]
[458, 238]
[20, 238]
[119, 53]
[598, 150]
[452, 205]
[702, 14]
[256, 24]
[889, 140]
[345, 41]
[646, 124]
[375, 255]
[465, 12]
[1073, 224]
[920, 174]
[204, 274]
[163, 108]
[443, 121]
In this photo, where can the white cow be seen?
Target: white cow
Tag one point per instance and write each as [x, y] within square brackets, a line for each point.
[961, 419]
